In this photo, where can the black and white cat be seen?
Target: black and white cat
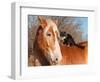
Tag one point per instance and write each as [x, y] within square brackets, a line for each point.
[69, 40]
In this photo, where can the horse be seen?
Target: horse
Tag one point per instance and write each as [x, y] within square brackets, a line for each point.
[46, 45]
[48, 50]
[73, 55]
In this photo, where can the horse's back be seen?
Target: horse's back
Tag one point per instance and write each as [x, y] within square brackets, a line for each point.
[73, 55]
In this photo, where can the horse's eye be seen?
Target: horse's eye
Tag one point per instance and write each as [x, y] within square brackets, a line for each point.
[48, 34]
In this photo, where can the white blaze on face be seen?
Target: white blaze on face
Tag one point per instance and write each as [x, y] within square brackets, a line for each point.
[56, 53]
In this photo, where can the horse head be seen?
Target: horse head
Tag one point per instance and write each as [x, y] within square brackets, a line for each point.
[47, 40]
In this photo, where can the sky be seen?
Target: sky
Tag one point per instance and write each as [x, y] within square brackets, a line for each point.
[83, 21]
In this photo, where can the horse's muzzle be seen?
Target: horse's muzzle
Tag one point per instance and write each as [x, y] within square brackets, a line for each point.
[54, 62]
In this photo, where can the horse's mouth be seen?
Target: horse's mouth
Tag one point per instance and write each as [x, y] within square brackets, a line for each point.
[54, 62]
[53, 58]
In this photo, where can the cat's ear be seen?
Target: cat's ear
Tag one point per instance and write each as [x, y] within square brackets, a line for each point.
[42, 21]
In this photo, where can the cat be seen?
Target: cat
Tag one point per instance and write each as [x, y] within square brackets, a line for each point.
[69, 40]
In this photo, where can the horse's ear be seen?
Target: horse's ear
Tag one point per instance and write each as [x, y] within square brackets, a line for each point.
[42, 21]
[56, 22]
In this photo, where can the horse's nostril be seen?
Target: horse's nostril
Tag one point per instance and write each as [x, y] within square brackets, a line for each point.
[56, 59]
